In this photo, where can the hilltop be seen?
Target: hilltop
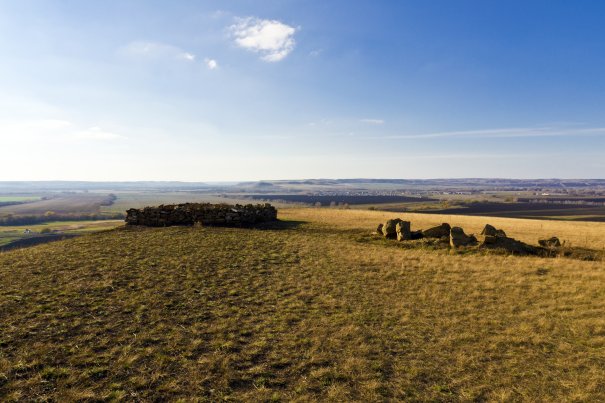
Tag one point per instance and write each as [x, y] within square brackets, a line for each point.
[312, 308]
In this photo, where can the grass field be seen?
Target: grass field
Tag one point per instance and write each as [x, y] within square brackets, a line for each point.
[307, 310]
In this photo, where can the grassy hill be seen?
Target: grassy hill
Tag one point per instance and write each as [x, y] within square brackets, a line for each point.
[314, 308]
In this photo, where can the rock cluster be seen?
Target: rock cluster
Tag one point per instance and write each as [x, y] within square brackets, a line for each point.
[455, 237]
[492, 238]
[201, 214]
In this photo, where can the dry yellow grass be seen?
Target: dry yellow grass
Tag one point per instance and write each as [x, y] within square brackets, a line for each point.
[311, 310]
[577, 233]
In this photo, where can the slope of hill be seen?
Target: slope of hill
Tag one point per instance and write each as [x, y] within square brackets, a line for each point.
[313, 308]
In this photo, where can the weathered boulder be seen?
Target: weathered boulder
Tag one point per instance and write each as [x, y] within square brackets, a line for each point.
[553, 242]
[404, 232]
[490, 230]
[389, 229]
[438, 231]
[459, 238]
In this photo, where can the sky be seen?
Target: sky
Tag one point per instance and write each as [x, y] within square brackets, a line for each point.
[248, 90]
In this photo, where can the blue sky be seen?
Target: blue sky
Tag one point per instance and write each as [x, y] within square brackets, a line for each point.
[247, 90]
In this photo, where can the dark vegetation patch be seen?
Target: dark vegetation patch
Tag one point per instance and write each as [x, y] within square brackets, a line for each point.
[35, 240]
[525, 210]
[326, 200]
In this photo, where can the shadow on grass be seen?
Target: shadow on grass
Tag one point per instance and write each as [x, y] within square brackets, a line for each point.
[278, 225]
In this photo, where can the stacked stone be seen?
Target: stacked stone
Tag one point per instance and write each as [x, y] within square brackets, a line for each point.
[202, 214]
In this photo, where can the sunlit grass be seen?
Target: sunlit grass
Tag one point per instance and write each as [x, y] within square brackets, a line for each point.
[308, 311]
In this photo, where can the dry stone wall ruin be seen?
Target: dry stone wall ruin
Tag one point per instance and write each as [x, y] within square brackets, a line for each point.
[201, 214]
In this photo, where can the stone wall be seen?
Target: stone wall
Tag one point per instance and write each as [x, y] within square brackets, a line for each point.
[202, 214]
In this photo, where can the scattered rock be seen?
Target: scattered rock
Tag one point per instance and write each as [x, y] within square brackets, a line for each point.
[438, 231]
[403, 231]
[490, 238]
[389, 229]
[459, 238]
[550, 242]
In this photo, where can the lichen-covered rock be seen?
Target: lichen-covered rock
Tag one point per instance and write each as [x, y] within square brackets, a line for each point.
[459, 238]
[389, 229]
[438, 231]
[553, 242]
[404, 232]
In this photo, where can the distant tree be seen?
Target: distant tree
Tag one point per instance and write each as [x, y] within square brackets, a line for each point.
[46, 230]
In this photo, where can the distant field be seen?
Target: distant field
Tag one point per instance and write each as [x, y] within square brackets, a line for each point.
[314, 308]
[326, 200]
[60, 204]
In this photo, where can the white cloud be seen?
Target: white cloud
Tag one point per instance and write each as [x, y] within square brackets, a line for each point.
[211, 63]
[157, 50]
[373, 121]
[315, 53]
[273, 39]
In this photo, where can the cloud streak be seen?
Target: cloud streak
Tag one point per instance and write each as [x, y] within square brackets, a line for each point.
[515, 132]
[272, 39]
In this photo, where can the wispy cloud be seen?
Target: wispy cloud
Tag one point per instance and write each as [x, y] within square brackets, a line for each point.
[273, 39]
[157, 50]
[372, 121]
[505, 133]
